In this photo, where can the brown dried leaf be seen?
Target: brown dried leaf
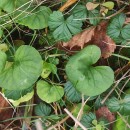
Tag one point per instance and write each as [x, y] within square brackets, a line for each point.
[5, 113]
[91, 6]
[104, 112]
[103, 41]
[94, 35]
[127, 21]
[80, 39]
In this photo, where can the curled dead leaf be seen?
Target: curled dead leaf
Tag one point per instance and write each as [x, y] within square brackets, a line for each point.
[91, 6]
[5, 111]
[94, 35]
[79, 40]
[103, 41]
[104, 112]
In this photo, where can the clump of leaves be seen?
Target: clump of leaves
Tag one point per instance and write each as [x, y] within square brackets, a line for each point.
[122, 106]
[90, 121]
[116, 29]
[63, 29]
[39, 70]
[93, 35]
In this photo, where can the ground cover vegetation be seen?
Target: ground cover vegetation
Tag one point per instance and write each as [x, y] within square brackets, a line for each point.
[65, 64]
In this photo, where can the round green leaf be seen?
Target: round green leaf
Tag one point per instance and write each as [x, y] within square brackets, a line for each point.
[49, 93]
[7, 5]
[87, 79]
[34, 18]
[109, 5]
[25, 70]
[42, 109]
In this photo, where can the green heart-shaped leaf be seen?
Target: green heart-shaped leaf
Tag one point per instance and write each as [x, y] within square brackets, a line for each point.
[109, 5]
[87, 79]
[49, 93]
[7, 5]
[34, 18]
[25, 70]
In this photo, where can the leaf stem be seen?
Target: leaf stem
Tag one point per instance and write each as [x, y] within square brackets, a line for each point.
[77, 122]
[67, 4]
[128, 125]
[103, 101]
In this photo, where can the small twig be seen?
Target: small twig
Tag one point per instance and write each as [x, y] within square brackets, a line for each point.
[60, 122]
[127, 124]
[122, 2]
[81, 111]
[119, 11]
[9, 125]
[121, 90]
[67, 4]
[102, 102]
[77, 122]
[118, 3]
[124, 68]
[38, 124]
